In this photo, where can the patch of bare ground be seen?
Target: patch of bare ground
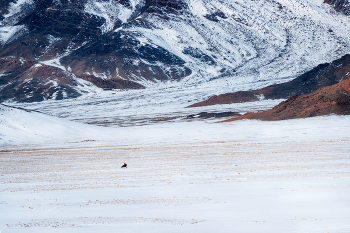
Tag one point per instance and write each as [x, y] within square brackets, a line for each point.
[206, 115]
[334, 99]
[137, 121]
[161, 119]
[81, 221]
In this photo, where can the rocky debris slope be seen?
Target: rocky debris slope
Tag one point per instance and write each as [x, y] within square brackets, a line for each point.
[333, 99]
[323, 75]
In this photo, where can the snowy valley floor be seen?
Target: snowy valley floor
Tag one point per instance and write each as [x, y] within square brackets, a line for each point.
[247, 176]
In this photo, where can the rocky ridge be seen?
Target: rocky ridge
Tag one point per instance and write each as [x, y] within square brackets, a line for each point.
[333, 99]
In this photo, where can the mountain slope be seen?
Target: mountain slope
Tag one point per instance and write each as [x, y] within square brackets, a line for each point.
[333, 99]
[141, 43]
[323, 75]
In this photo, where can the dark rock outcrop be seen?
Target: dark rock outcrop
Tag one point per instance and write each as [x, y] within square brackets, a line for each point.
[120, 54]
[213, 115]
[342, 6]
[113, 83]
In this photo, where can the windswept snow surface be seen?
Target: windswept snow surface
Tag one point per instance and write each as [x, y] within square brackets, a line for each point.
[244, 176]
[28, 129]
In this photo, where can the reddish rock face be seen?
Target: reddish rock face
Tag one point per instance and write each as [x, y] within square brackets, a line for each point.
[333, 99]
[42, 82]
[37, 82]
[229, 98]
[10, 65]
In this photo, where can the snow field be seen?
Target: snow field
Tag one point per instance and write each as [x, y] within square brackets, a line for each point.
[225, 186]
[291, 176]
[21, 129]
[199, 176]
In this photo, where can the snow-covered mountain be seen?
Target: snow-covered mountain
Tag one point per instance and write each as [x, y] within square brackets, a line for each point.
[59, 49]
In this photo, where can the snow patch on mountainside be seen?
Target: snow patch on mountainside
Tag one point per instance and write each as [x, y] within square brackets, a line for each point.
[17, 7]
[54, 62]
[16, 10]
[111, 11]
[9, 33]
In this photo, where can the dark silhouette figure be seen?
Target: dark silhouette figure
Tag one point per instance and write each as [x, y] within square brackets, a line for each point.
[124, 165]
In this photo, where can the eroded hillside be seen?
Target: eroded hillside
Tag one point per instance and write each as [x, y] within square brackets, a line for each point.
[137, 44]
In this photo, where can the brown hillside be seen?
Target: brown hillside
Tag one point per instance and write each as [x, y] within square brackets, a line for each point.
[333, 99]
[321, 76]
[228, 98]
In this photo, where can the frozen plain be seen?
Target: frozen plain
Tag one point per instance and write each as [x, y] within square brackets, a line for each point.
[246, 176]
